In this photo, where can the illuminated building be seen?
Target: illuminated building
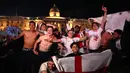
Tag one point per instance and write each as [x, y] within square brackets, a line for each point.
[53, 18]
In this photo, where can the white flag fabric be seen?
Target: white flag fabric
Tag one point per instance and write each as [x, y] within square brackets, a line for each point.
[87, 63]
[115, 20]
[128, 16]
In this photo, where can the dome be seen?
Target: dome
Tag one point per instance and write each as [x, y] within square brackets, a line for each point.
[54, 11]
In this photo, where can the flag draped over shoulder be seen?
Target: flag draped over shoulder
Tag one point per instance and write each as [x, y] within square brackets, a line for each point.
[87, 63]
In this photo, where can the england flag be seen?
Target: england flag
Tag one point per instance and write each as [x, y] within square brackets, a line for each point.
[115, 20]
[87, 63]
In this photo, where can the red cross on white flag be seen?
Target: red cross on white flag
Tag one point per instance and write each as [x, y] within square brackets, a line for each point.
[87, 63]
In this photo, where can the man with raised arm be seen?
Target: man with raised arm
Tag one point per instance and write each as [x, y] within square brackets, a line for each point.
[95, 34]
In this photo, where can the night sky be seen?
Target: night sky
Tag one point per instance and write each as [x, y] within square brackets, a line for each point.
[68, 8]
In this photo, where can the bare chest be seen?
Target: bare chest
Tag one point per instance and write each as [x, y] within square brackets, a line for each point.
[30, 36]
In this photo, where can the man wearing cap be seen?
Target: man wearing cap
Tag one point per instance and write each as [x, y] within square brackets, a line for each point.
[115, 44]
[117, 37]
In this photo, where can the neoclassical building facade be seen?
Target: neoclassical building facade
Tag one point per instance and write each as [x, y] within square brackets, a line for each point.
[53, 18]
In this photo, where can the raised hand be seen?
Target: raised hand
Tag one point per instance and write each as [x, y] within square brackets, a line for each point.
[103, 22]
[104, 8]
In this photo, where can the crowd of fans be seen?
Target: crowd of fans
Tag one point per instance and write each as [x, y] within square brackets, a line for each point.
[44, 41]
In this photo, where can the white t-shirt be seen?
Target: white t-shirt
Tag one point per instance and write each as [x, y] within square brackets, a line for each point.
[67, 42]
[118, 44]
[43, 67]
[95, 39]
